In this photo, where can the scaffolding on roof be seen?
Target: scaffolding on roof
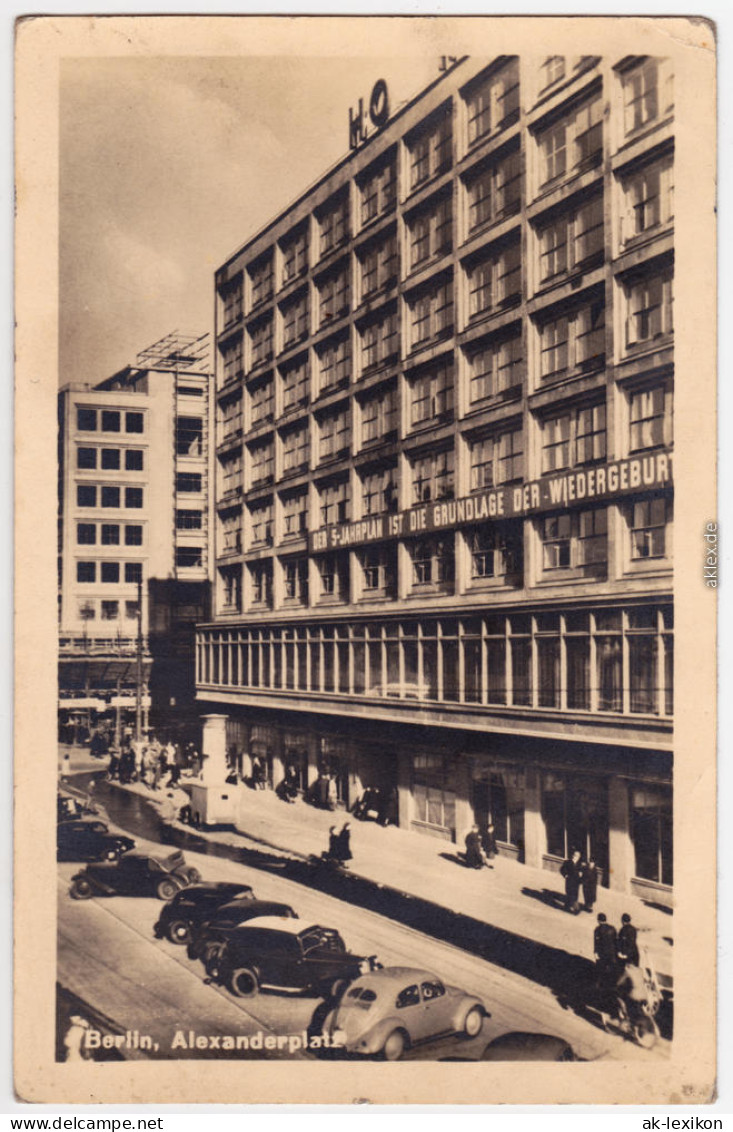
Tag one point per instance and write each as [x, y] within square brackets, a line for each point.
[176, 351]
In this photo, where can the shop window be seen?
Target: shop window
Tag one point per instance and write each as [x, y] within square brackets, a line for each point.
[498, 799]
[651, 833]
[434, 800]
[575, 815]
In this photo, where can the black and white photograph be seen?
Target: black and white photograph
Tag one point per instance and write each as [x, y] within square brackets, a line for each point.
[359, 459]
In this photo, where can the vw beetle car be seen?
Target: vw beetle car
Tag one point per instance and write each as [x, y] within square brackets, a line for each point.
[385, 1012]
[279, 952]
[88, 839]
[209, 936]
[189, 908]
[135, 874]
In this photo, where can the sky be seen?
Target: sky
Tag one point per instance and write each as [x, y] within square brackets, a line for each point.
[168, 164]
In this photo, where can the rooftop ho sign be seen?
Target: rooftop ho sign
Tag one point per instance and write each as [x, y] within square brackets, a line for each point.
[363, 124]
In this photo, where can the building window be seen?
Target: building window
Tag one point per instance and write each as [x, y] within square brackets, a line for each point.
[552, 71]
[111, 421]
[431, 395]
[295, 515]
[296, 320]
[574, 439]
[134, 534]
[109, 572]
[134, 460]
[110, 534]
[433, 562]
[133, 497]
[334, 435]
[261, 274]
[494, 282]
[134, 422]
[110, 610]
[86, 420]
[379, 417]
[261, 339]
[261, 524]
[495, 192]
[111, 496]
[231, 582]
[335, 503]
[231, 356]
[651, 833]
[650, 419]
[496, 550]
[433, 477]
[648, 521]
[572, 241]
[430, 149]
[188, 481]
[496, 369]
[379, 491]
[380, 343]
[577, 654]
[231, 474]
[86, 458]
[111, 459]
[188, 556]
[576, 339]
[295, 578]
[262, 401]
[296, 382]
[333, 570]
[86, 534]
[295, 255]
[573, 144]
[296, 449]
[261, 578]
[133, 572]
[86, 495]
[648, 199]
[494, 103]
[648, 308]
[431, 314]
[433, 798]
[334, 225]
[189, 436]
[379, 266]
[231, 302]
[334, 360]
[647, 94]
[263, 462]
[430, 232]
[334, 296]
[131, 610]
[378, 191]
[576, 540]
[497, 459]
[379, 571]
[86, 571]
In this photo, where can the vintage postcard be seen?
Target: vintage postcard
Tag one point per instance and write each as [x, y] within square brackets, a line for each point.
[366, 424]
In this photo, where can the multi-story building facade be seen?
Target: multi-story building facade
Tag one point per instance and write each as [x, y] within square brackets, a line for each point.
[444, 460]
[135, 527]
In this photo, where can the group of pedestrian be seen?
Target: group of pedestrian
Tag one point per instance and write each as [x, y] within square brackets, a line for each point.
[149, 761]
[339, 845]
[617, 962]
[579, 875]
[377, 804]
[480, 847]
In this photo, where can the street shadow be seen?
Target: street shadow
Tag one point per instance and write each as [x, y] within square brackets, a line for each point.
[547, 896]
[454, 859]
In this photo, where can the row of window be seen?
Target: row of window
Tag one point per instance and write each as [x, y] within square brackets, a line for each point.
[109, 420]
[571, 142]
[110, 572]
[111, 610]
[614, 660]
[569, 545]
[109, 496]
[571, 437]
[110, 459]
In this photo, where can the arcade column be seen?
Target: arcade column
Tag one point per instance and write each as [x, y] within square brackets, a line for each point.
[619, 835]
[213, 798]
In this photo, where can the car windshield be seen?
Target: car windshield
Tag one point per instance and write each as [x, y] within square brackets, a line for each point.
[323, 939]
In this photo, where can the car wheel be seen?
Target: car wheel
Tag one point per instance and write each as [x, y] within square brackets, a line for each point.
[211, 960]
[473, 1022]
[194, 876]
[243, 982]
[166, 889]
[81, 889]
[394, 1046]
[646, 1033]
[179, 931]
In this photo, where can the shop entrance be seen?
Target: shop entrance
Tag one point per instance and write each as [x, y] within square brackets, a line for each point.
[497, 798]
[576, 817]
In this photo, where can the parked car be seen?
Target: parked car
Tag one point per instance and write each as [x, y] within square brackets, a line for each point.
[189, 908]
[520, 1046]
[284, 953]
[87, 839]
[209, 936]
[135, 874]
[385, 1012]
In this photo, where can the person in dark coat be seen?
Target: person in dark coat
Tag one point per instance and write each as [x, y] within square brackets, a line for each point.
[333, 841]
[605, 949]
[628, 949]
[343, 845]
[571, 871]
[589, 882]
[474, 853]
[489, 842]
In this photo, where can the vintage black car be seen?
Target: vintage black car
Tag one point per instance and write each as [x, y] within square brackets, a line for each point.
[179, 919]
[135, 874]
[209, 936]
[284, 953]
[88, 839]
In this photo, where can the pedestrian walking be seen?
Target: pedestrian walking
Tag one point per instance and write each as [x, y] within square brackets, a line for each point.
[474, 853]
[589, 883]
[489, 842]
[571, 871]
[343, 845]
[628, 948]
[605, 949]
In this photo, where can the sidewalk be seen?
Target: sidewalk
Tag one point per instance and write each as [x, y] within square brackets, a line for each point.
[511, 897]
